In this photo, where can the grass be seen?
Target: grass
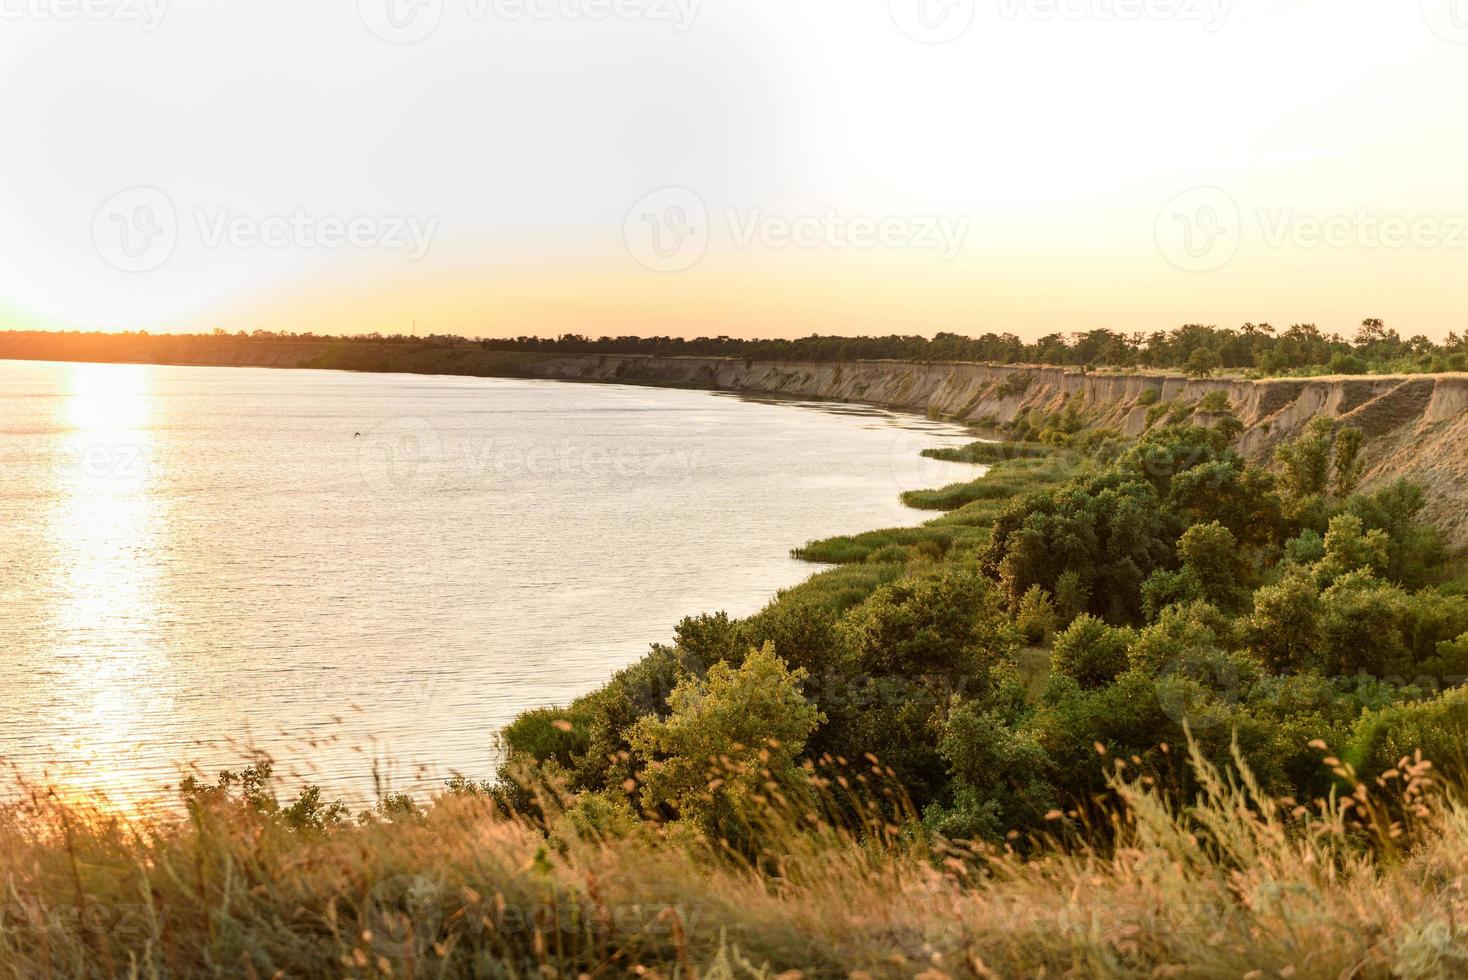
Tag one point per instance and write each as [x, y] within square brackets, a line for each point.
[989, 453]
[1003, 482]
[845, 586]
[1015, 469]
[1235, 884]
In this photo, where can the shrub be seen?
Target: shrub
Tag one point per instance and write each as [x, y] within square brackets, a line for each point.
[989, 452]
[1350, 548]
[1015, 385]
[1166, 587]
[1215, 401]
[1090, 652]
[1346, 364]
[1437, 728]
[1285, 626]
[752, 715]
[1036, 619]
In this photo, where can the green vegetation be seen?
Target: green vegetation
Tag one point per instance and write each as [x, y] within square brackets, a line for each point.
[1196, 350]
[989, 453]
[1014, 385]
[1363, 883]
[1302, 350]
[1181, 592]
[1123, 709]
[1013, 478]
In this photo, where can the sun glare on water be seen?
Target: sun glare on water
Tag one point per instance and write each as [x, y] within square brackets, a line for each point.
[104, 528]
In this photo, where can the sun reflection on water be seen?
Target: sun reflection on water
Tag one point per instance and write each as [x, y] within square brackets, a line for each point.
[107, 663]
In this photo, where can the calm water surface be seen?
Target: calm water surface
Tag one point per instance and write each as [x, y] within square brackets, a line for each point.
[357, 571]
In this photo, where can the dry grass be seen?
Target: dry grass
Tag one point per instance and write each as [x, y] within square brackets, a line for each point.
[1370, 884]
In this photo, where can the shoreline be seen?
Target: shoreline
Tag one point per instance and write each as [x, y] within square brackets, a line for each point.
[1414, 426]
[790, 570]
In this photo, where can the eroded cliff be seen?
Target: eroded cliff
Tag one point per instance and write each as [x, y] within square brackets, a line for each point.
[1415, 425]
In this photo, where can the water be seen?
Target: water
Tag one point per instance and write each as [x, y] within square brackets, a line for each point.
[350, 571]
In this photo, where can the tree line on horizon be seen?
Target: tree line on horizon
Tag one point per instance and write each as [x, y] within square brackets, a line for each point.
[1198, 349]
[1258, 349]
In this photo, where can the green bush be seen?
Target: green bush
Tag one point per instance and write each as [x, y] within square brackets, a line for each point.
[1215, 401]
[1437, 728]
[1346, 364]
[1036, 619]
[1014, 385]
[990, 452]
[1090, 652]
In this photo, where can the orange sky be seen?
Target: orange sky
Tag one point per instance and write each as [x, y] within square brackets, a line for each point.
[757, 168]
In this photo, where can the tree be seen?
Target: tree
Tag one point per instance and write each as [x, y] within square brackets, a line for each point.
[1212, 553]
[1362, 628]
[1036, 619]
[1201, 363]
[727, 736]
[1413, 546]
[1347, 459]
[1304, 462]
[1109, 530]
[912, 650]
[1001, 776]
[1285, 627]
[1349, 547]
[1090, 652]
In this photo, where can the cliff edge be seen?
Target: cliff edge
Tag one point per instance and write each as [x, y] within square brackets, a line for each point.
[1416, 426]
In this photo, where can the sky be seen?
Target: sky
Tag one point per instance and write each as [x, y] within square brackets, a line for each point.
[741, 167]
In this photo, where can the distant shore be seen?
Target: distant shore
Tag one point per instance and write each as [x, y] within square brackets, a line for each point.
[1415, 426]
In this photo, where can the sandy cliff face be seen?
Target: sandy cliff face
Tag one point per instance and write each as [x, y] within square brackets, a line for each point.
[1415, 426]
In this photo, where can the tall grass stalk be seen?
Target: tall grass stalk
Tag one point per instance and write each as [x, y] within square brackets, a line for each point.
[1366, 883]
